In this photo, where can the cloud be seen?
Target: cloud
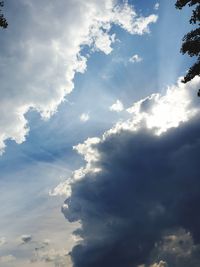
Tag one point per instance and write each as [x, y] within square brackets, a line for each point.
[160, 264]
[146, 184]
[26, 238]
[157, 5]
[117, 106]
[59, 258]
[7, 258]
[60, 190]
[156, 112]
[42, 50]
[126, 17]
[2, 241]
[135, 59]
[46, 242]
[38, 253]
[160, 113]
[176, 248]
[84, 117]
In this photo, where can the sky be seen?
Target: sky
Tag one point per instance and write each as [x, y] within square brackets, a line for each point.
[99, 138]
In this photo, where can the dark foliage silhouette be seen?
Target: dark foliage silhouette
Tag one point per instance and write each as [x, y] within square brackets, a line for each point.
[3, 21]
[191, 41]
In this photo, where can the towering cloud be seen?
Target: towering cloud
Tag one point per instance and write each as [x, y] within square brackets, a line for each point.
[140, 186]
[41, 51]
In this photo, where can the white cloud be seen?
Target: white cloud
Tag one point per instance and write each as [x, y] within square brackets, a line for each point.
[156, 112]
[84, 117]
[41, 53]
[77, 239]
[91, 156]
[157, 5]
[87, 149]
[117, 106]
[127, 18]
[160, 264]
[61, 189]
[161, 113]
[135, 59]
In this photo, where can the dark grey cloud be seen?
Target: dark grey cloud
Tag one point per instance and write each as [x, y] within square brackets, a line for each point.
[178, 249]
[26, 238]
[148, 185]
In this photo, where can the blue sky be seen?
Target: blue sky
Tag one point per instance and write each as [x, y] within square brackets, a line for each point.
[59, 81]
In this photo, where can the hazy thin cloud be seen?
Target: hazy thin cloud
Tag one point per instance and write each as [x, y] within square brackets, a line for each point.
[84, 117]
[157, 5]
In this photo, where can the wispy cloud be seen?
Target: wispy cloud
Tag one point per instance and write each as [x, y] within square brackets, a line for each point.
[84, 117]
[157, 5]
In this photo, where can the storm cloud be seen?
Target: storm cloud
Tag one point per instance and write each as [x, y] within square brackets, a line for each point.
[138, 186]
